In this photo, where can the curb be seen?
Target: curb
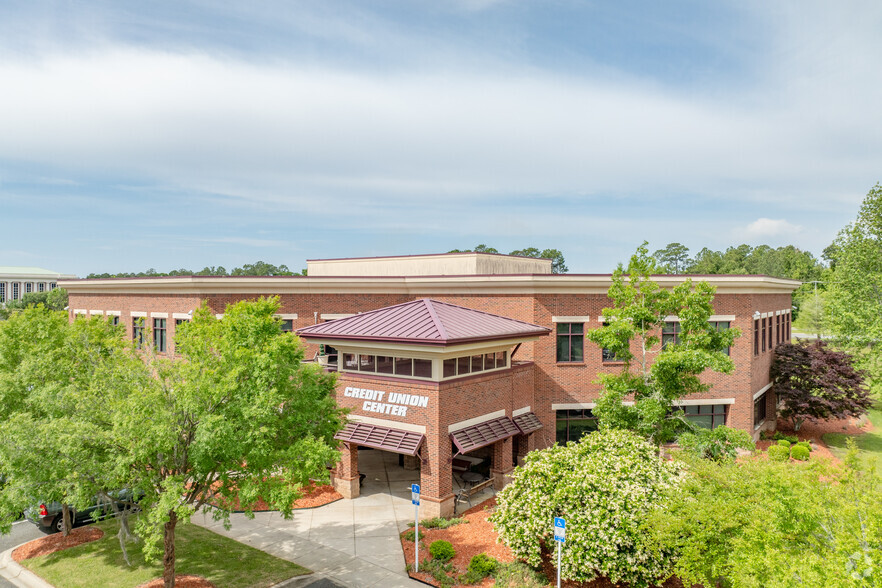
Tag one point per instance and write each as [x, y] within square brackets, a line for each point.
[12, 571]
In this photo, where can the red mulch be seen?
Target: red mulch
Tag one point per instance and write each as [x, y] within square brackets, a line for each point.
[812, 432]
[184, 581]
[57, 542]
[313, 496]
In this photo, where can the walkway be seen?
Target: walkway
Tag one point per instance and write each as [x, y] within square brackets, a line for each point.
[351, 542]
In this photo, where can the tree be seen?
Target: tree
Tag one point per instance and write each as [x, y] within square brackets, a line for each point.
[237, 418]
[758, 523]
[656, 375]
[814, 382]
[674, 257]
[52, 300]
[262, 268]
[558, 264]
[603, 485]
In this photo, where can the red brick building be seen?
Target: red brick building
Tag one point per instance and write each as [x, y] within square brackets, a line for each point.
[514, 372]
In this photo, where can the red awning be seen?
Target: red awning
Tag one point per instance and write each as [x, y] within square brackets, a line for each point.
[385, 438]
[483, 434]
[527, 422]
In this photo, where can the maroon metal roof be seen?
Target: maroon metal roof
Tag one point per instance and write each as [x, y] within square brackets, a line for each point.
[527, 422]
[483, 434]
[396, 440]
[423, 321]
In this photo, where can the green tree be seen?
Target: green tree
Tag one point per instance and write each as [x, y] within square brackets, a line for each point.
[53, 300]
[674, 258]
[237, 418]
[262, 268]
[655, 375]
[603, 485]
[558, 264]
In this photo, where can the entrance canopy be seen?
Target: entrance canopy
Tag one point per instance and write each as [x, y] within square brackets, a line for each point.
[527, 422]
[385, 438]
[483, 434]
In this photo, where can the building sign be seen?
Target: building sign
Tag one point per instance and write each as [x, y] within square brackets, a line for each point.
[396, 403]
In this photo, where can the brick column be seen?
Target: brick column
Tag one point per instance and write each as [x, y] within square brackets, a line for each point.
[346, 480]
[523, 445]
[501, 467]
[436, 478]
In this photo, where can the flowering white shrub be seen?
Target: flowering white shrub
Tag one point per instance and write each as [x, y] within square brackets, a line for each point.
[604, 486]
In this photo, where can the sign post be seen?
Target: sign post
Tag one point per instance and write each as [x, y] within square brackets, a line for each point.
[560, 535]
[415, 499]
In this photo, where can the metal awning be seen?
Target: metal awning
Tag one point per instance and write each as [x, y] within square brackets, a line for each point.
[385, 438]
[483, 434]
[527, 422]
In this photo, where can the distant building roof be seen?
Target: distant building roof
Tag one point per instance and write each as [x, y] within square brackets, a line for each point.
[468, 263]
[424, 321]
[17, 270]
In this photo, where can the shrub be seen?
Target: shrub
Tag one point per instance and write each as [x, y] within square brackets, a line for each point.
[440, 570]
[519, 575]
[784, 443]
[717, 444]
[604, 485]
[778, 453]
[408, 535]
[799, 452]
[442, 523]
[805, 444]
[442, 550]
[779, 435]
[483, 564]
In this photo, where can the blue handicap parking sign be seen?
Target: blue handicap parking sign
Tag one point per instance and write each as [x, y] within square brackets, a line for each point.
[560, 529]
[415, 494]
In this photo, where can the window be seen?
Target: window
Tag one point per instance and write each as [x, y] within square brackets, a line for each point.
[52, 285]
[721, 326]
[572, 424]
[138, 331]
[778, 328]
[181, 321]
[41, 286]
[706, 415]
[385, 364]
[422, 368]
[759, 410]
[287, 325]
[607, 356]
[403, 366]
[670, 334]
[2, 291]
[771, 324]
[570, 342]
[113, 319]
[15, 286]
[756, 336]
[787, 335]
[29, 287]
[764, 335]
[159, 337]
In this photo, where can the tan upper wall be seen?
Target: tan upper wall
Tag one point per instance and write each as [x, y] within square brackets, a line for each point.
[445, 264]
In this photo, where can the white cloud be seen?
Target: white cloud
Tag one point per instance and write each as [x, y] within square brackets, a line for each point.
[766, 227]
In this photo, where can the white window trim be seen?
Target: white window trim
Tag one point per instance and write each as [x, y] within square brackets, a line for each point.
[571, 319]
[96, 312]
[138, 314]
[113, 313]
[80, 311]
[762, 391]
[181, 316]
[333, 317]
[704, 402]
[287, 317]
[159, 315]
[520, 411]
[714, 318]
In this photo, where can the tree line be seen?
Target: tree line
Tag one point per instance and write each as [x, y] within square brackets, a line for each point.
[259, 268]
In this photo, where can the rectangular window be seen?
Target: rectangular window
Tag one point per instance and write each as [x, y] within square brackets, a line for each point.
[572, 424]
[756, 337]
[52, 285]
[706, 415]
[670, 334]
[403, 366]
[367, 363]
[788, 327]
[15, 286]
[2, 291]
[763, 336]
[477, 363]
[29, 287]
[422, 368]
[138, 331]
[41, 286]
[607, 356]
[570, 342]
[449, 368]
[287, 325]
[385, 364]
[350, 362]
[771, 324]
[181, 321]
[489, 361]
[759, 410]
[501, 358]
[463, 366]
[159, 337]
[113, 319]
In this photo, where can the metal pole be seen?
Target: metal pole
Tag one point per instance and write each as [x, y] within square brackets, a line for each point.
[416, 537]
[559, 550]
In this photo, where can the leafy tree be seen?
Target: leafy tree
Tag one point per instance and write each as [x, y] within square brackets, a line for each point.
[558, 264]
[814, 382]
[262, 268]
[720, 443]
[812, 317]
[237, 418]
[674, 257]
[53, 300]
[759, 523]
[655, 375]
[603, 485]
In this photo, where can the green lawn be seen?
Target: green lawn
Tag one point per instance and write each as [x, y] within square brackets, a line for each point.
[223, 561]
[869, 444]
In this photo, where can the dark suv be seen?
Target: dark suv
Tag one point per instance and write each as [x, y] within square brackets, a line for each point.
[48, 515]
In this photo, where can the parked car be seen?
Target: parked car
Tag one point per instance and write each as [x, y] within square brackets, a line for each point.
[48, 515]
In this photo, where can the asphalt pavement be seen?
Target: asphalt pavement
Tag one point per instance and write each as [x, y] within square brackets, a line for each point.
[22, 532]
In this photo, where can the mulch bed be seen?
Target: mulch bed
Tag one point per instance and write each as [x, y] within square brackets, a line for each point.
[313, 496]
[812, 432]
[56, 542]
[184, 581]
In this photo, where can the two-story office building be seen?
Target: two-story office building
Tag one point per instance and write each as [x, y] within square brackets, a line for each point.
[460, 361]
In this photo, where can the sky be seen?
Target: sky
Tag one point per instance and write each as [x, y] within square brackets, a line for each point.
[184, 134]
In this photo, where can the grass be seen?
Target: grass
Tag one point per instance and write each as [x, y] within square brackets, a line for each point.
[199, 551]
[869, 444]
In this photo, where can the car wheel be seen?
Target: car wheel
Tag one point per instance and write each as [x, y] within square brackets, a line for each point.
[58, 524]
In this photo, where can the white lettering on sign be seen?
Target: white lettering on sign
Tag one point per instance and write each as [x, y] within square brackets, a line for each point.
[396, 404]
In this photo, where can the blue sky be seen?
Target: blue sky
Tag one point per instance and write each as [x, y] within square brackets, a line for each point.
[184, 134]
